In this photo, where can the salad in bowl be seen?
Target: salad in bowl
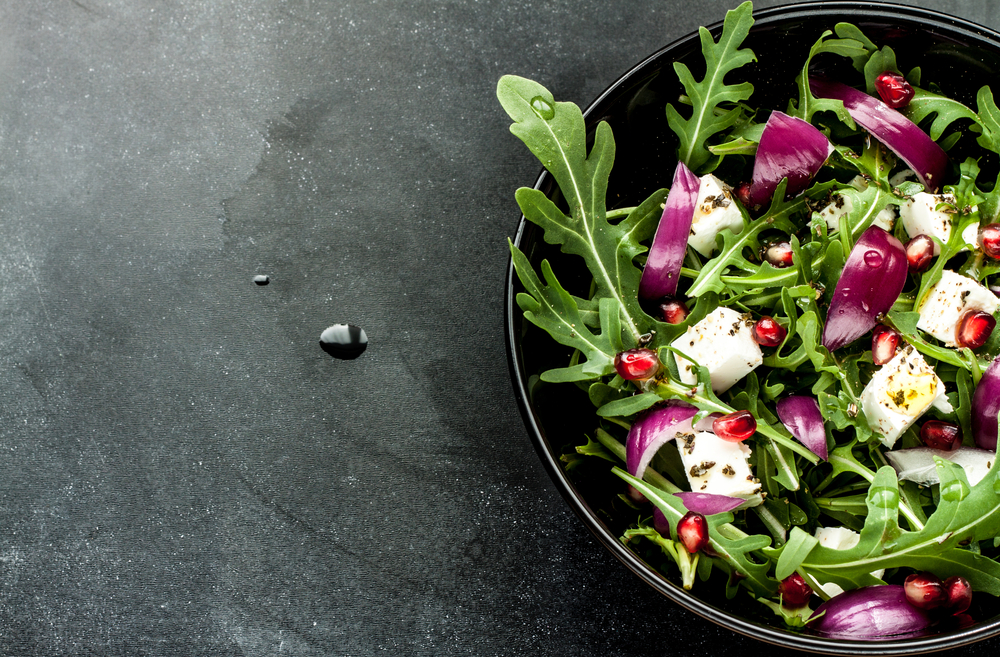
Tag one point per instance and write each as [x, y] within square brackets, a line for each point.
[781, 359]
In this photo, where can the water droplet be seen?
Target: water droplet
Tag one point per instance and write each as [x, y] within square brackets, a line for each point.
[873, 258]
[344, 341]
[955, 490]
[885, 498]
[261, 279]
[543, 108]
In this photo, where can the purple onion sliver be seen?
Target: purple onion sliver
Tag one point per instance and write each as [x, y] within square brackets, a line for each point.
[708, 504]
[870, 613]
[801, 416]
[666, 255]
[985, 406]
[654, 428]
[660, 523]
[789, 148]
[898, 133]
[873, 277]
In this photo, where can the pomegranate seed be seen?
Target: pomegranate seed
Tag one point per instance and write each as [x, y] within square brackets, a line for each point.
[959, 594]
[768, 333]
[939, 435]
[919, 253]
[794, 591]
[673, 311]
[692, 530]
[743, 193]
[975, 329]
[924, 591]
[779, 254]
[990, 235]
[636, 364]
[894, 89]
[885, 342]
[735, 427]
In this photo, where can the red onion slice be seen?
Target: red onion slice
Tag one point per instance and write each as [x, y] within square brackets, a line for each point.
[789, 148]
[985, 406]
[708, 504]
[873, 277]
[901, 135]
[801, 416]
[652, 430]
[870, 613]
[663, 265]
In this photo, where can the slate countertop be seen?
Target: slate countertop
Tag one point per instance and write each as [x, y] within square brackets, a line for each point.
[184, 471]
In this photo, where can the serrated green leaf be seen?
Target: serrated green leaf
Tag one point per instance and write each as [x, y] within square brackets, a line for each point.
[711, 91]
[964, 514]
[548, 306]
[794, 552]
[809, 104]
[944, 110]
[733, 552]
[558, 138]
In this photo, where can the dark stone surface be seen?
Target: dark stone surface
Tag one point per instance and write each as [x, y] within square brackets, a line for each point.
[184, 471]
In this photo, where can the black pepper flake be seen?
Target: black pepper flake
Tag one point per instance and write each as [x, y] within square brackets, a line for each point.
[728, 470]
[701, 469]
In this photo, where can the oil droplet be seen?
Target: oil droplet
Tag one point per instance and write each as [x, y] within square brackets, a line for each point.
[344, 341]
[543, 108]
[864, 306]
[261, 279]
[885, 498]
[955, 490]
[873, 258]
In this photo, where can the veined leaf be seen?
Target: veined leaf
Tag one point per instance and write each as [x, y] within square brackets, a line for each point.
[809, 104]
[556, 134]
[707, 94]
[733, 551]
[945, 111]
[964, 514]
[550, 307]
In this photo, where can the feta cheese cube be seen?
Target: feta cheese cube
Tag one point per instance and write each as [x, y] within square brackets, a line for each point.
[839, 538]
[900, 392]
[713, 213]
[948, 300]
[920, 216]
[841, 205]
[723, 343]
[717, 466]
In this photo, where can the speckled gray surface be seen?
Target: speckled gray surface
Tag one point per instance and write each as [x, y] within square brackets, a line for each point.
[182, 470]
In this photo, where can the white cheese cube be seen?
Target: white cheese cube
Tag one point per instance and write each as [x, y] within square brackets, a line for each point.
[713, 213]
[841, 205]
[723, 343]
[717, 466]
[839, 538]
[948, 300]
[900, 392]
[920, 216]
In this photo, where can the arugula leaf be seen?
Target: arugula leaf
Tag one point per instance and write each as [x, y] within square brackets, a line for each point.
[552, 308]
[989, 120]
[945, 111]
[733, 552]
[964, 514]
[556, 134]
[809, 104]
[706, 95]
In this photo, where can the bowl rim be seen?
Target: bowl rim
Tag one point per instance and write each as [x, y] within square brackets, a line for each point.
[775, 634]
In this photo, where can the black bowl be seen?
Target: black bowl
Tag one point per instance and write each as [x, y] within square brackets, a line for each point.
[958, 55]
